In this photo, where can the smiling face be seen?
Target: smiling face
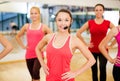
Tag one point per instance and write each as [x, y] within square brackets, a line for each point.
[99, 10]
[35, 14]
[63, 19]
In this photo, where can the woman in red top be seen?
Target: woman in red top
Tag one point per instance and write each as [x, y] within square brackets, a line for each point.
[60, 49]
[98, 28]
[35, 31]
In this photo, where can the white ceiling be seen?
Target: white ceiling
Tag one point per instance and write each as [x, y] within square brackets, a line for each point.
[21, 5]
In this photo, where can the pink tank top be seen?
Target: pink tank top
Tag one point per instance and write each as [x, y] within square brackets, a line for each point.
[33, 37]
[58, 60]
[118, 42]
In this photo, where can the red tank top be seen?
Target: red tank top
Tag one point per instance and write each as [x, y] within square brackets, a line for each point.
[33, 37]
[58, 60]
[97, 32]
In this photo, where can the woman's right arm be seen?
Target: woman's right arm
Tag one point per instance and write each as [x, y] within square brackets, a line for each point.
[39, 49]
[80, 31]
[20, 34]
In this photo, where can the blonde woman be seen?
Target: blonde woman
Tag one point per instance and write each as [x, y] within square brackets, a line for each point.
[35, 31]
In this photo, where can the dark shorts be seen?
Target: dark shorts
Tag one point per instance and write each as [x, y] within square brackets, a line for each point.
[34, 66]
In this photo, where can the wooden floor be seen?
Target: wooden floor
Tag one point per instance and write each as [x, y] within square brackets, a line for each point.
[17, 71]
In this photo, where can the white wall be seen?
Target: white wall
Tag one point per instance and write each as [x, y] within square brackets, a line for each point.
[113, 16]
[107, 3]
[14, 7]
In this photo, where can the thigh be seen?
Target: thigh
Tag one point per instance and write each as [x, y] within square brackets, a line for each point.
[116, 73]
[102, 60]
[37, 65]
[30, 62]
[94, 67]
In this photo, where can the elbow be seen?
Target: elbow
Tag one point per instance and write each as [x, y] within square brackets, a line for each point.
[37, 50]
[78, 34]
[101, 47]
[10, 48]
[92, 61]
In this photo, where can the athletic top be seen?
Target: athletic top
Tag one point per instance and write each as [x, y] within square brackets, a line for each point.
[97, 32]
[58, 60]
[33, 37]
[118, 42]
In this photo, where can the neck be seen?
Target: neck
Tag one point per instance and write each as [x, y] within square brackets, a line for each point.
[35, 22]
[63, 33]
[99, 18]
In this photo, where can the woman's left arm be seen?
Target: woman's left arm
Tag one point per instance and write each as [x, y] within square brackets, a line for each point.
[86, 53]
[78, 44]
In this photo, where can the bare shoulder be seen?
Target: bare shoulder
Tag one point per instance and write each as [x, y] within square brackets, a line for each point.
[46, 29]
[77, 43]
[75, 39]
[114, 30]
[45, 26]
[26, 25]
[48, 36]
[23, 29]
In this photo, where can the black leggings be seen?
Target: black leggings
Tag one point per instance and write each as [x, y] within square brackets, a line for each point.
[34, 68]
[102, 66]
[116, 73]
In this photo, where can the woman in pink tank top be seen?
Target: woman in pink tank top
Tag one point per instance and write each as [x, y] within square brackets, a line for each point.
[35, 31]
[114, 33]
[60, 47]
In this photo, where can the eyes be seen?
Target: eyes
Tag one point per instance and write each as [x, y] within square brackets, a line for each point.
[33, 13]
[98, 10]
[66, 20]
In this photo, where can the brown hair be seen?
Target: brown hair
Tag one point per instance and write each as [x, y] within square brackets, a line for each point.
[99, 5]
[66, 11]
